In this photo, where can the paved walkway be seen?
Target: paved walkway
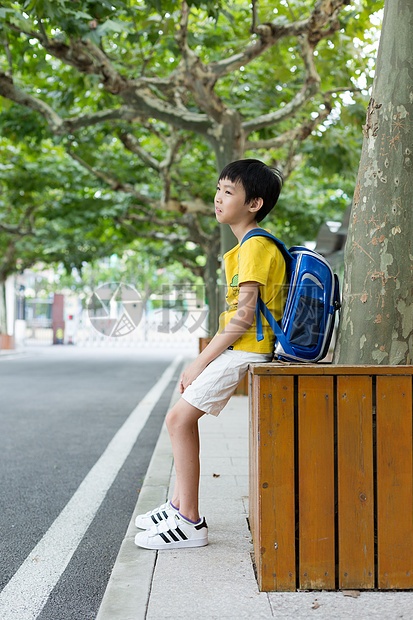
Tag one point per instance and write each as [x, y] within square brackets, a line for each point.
[218, 581]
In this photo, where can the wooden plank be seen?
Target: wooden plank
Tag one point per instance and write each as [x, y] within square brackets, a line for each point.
[274, 368]
[394, 482]
[316, 482]
[275, 551]
[355, 482]
[254, 517]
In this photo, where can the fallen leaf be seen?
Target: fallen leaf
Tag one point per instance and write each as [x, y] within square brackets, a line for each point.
[216, 475]
[352, 593]
[316, 606]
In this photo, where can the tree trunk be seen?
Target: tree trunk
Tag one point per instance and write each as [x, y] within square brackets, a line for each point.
[227, 141]
[3, 308]
[377, 317]
[212, 291]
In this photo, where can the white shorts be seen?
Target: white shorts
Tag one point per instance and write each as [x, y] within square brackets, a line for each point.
[213, 388]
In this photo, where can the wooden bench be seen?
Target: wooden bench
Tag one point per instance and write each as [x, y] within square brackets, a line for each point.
[331, 476]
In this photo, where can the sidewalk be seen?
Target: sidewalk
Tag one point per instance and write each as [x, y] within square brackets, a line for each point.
[10, 352]
[218, 581]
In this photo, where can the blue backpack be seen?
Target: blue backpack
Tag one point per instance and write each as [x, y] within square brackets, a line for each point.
[312, 302]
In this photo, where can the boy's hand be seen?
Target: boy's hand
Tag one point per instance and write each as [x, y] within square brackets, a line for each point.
[191, 373]
[236, 327]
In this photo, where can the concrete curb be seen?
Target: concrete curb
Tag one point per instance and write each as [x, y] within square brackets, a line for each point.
[11, 352]
[128, 590]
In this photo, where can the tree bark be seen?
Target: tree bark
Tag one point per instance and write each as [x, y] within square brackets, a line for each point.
[212, 293]
[228, 142]
[377, 317]
[3, 308]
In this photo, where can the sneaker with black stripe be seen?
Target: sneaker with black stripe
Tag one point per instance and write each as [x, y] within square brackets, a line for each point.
[174, 533]
[156, 516]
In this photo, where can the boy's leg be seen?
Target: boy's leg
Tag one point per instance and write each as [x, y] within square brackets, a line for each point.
[182, 425]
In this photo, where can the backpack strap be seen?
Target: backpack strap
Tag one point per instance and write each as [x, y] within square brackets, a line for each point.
[261, 307]
[260, 232]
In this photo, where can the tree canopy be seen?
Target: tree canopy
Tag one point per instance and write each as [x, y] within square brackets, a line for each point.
[48, 212]
[152, 98]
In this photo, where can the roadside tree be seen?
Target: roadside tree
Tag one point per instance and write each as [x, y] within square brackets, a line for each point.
[377, 317]
[49, 214]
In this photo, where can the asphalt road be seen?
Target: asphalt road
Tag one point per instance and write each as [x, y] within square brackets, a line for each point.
[60, 407]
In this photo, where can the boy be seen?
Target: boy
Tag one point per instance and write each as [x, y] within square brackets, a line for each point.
[247, 191]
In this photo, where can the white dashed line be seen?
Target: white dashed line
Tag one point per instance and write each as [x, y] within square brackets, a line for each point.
[27, 592]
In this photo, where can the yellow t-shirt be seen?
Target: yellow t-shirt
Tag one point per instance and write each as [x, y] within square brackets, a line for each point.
[256, 260]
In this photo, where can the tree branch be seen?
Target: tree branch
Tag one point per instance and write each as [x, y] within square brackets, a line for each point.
[293, 159]
[8, 261]
[195, 205]
[194, 74]
[58, 125]
[113, 183]
[163, 168]
[153, 234]
[151, 218]
[146, 104]
[196, 269]
[9, 57]
[10, 91]
[324, 19]
[182, 34]
[342, 89]
[324, 15]
[268, 36]
[43, 31]
[309, 89]
[274, 143]
[132, 144]
[70, 125]
[19, 229]
[174, 142]
[300, 133]
[15, 230]
[255, 19]
[88, 58]
[82, 54]
[190, 221]
[197, 234]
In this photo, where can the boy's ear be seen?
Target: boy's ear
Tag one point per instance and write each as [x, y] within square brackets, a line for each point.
[256, 204]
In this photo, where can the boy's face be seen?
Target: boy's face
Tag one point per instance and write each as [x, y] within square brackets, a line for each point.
[230, 205]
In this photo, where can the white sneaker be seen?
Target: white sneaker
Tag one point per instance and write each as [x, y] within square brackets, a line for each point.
[174, 533]
[156, 516]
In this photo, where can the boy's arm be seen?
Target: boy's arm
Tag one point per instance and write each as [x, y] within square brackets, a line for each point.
[236, 327]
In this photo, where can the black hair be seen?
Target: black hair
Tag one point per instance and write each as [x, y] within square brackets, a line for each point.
[258, 181]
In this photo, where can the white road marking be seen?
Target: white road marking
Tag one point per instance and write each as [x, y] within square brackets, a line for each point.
[27, 592]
